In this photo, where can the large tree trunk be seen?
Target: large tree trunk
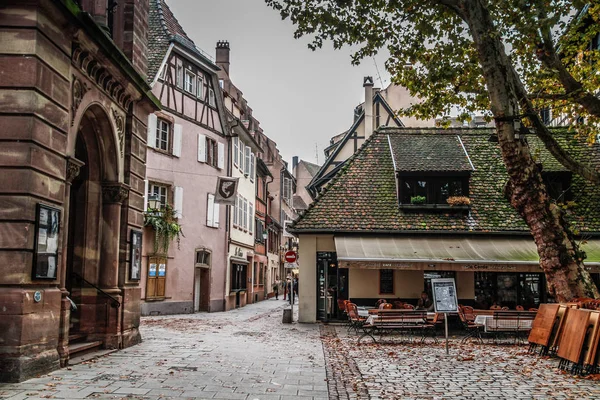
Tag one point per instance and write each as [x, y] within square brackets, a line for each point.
[559, 254]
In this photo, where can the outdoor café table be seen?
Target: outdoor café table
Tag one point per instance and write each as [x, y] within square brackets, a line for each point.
[364, 311]
[500, 325]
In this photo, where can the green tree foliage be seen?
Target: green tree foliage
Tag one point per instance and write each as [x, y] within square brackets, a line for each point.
[511, 57]
[434, 55]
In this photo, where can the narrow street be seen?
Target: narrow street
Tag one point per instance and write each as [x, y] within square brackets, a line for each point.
[242, 354]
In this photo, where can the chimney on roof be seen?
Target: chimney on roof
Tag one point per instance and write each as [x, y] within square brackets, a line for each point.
[368, 85]
[294, 162]
[222, 55]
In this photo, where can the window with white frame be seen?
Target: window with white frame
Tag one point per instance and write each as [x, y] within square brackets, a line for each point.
[189, 84]
[211, 98]
[163, 131]
[161, 192]
[212, 153]
[202, 257]
[200, 87]
[221, 84]
[236, 143]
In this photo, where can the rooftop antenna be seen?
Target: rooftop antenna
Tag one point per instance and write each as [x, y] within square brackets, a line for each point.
[317, 152]
[378, 74]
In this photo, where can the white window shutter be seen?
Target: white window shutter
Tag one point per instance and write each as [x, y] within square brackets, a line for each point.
[210, 210]
[247, 161]
[152, 130]
[178, 201]
[252, 161]
[251, 218]
[177, 139]
[145, 195]
[221, 156]
[235, 151]
[201, 148]
[216, 215]
[235, 212]
[241, 148]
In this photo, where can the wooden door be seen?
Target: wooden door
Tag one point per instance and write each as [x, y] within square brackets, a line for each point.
[156, 281]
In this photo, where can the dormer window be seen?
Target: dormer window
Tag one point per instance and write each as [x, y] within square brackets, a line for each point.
[420, 190]
[430, 169]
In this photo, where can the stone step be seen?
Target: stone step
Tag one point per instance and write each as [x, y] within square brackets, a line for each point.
[77, 337]
[87, 356]
[83, 346]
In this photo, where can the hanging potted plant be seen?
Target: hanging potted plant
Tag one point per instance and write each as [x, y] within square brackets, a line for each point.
[166, 227]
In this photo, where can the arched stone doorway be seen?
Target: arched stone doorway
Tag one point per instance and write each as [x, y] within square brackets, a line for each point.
[94, 223]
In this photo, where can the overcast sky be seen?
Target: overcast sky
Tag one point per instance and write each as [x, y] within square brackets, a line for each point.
[301, 98]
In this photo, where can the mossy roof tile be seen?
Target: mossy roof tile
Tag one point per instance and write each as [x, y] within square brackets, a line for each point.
[362, 196]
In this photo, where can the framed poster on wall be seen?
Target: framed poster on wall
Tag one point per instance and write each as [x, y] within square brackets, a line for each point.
[45, 250]
[135, 259]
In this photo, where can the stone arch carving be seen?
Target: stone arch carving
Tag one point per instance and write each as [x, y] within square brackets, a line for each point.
[100, 130]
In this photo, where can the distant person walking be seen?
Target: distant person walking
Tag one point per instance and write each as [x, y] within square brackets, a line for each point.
[276, 288]
[296, 286]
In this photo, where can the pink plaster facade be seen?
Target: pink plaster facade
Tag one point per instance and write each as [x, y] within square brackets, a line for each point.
[188, 169]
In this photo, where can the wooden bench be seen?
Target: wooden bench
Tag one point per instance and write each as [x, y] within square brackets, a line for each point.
[389, 321]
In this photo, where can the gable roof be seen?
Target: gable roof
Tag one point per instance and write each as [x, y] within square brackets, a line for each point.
[310, 167]
[321, 175]
[362, 196]
[163, 30]
[428, 153]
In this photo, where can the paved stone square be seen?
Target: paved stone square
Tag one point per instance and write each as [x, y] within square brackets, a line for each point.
[249, 354]
[242, 354]
[395, 368]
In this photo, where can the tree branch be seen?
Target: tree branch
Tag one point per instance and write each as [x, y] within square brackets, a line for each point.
[544, 134]
[573, 88]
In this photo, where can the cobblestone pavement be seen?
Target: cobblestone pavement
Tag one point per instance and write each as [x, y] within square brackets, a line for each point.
[242, 354]
[397, 369]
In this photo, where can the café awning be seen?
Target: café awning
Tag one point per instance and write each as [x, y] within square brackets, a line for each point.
[462, 250]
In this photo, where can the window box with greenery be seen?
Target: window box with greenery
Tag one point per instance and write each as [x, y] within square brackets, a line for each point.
[163, 220]
[442, 193]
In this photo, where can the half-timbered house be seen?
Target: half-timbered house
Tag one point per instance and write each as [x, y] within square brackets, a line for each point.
[187, 151]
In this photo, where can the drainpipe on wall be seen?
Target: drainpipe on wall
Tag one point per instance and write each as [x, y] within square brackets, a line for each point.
[227, 230]
[266, 225]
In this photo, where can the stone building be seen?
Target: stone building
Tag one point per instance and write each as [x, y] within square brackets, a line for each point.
[74, 104]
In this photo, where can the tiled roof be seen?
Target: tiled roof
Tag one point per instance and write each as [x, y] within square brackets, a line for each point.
[310, 167]
[362, 196]
[163, 28]
[426, 152]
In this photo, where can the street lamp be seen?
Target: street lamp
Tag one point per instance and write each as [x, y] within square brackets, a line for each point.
[154, 202]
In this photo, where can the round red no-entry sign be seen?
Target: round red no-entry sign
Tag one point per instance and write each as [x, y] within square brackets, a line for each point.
[290, 256]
